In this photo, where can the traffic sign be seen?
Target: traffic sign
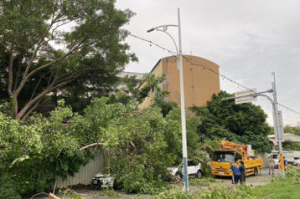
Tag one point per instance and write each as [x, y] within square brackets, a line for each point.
[246, 96]
[279, 131]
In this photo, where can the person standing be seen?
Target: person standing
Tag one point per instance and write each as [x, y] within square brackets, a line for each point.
[235, 173]
[285, 163]
[271, 165]
[242, 170]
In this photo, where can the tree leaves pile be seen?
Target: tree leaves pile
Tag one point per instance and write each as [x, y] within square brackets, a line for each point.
[139, 145]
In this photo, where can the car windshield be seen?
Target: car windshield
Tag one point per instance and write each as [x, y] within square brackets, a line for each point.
[222, 157]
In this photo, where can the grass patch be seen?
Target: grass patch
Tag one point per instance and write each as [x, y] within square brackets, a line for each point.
[201, 182]
[278, 190]
[110, 193]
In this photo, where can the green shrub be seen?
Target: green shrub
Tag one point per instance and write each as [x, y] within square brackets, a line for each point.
[176, 194]
[212, 192]
[110, 193]
[293, 175]
[8, 188]
[35, 152]
[201, 182]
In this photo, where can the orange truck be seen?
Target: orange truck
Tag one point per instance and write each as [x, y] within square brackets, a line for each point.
[228, 153]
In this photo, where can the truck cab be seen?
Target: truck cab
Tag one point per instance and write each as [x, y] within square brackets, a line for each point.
[228, 153]
[221, 160]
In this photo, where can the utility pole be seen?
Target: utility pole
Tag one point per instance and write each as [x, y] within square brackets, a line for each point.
[277, 128]
[164, 29]
[182, 106]
[249, 96]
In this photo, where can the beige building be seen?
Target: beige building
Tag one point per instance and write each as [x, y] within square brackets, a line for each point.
[199, 83]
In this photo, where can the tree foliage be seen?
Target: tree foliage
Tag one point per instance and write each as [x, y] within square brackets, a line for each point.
[293, 130]
[289, 145]
[69, 48]
[35, 152]
[245, 123]
[139, 144]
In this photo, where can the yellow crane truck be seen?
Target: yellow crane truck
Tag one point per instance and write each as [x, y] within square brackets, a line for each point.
[228, 153]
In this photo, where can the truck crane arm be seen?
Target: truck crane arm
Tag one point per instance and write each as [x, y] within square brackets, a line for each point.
[236, 147]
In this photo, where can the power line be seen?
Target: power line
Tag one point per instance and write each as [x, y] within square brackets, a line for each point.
[233, 81]
[209, 69]
[155, 44]
[289, 108]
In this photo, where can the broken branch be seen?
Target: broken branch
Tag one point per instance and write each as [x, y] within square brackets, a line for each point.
[91, 145]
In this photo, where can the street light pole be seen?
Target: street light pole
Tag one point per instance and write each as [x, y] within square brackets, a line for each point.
[278, 125]
[182, 106]
[164, 28]
[277, 128]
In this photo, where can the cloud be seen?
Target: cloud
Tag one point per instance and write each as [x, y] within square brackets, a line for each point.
[248, 39]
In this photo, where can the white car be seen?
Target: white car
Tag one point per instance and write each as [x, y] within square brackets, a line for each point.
[194, 169]
[103, 181]
[296, 161]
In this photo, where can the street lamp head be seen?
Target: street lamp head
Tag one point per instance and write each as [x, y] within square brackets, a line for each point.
[162, 28]
[150, 30]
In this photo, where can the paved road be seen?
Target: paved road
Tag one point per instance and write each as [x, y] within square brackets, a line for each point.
[262, 179]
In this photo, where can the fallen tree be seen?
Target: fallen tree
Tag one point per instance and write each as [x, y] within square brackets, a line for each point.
[34, 152]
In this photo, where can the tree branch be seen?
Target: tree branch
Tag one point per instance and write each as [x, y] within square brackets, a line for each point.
[19, 71]
[4, 46]
[10, 70]
[91, 145]
[43, 193]
[33, 93]
[50, 63]
[39, 44]
[54, 85]
[24, 117]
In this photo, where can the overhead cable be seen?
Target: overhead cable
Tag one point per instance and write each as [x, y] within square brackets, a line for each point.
[209, 69]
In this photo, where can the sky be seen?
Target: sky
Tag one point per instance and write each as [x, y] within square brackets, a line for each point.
[248, 39]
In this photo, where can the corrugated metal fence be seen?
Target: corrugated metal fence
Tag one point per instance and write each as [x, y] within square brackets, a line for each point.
[85, 174]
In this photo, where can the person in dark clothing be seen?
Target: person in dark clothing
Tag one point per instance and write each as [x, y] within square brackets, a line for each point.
[242, 170]
[236, 173]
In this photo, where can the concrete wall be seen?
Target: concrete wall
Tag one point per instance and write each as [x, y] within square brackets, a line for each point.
[199, 84]
[85, 174]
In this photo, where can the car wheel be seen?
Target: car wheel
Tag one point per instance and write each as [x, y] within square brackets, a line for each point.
[255, 171]
[199, 174]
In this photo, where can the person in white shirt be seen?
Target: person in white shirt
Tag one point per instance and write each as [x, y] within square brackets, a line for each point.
[271, 165]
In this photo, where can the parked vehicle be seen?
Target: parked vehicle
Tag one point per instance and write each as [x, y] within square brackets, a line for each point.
[228, 153]
[296, 161]
[194, 169]
[289, 156]
[103, 181]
